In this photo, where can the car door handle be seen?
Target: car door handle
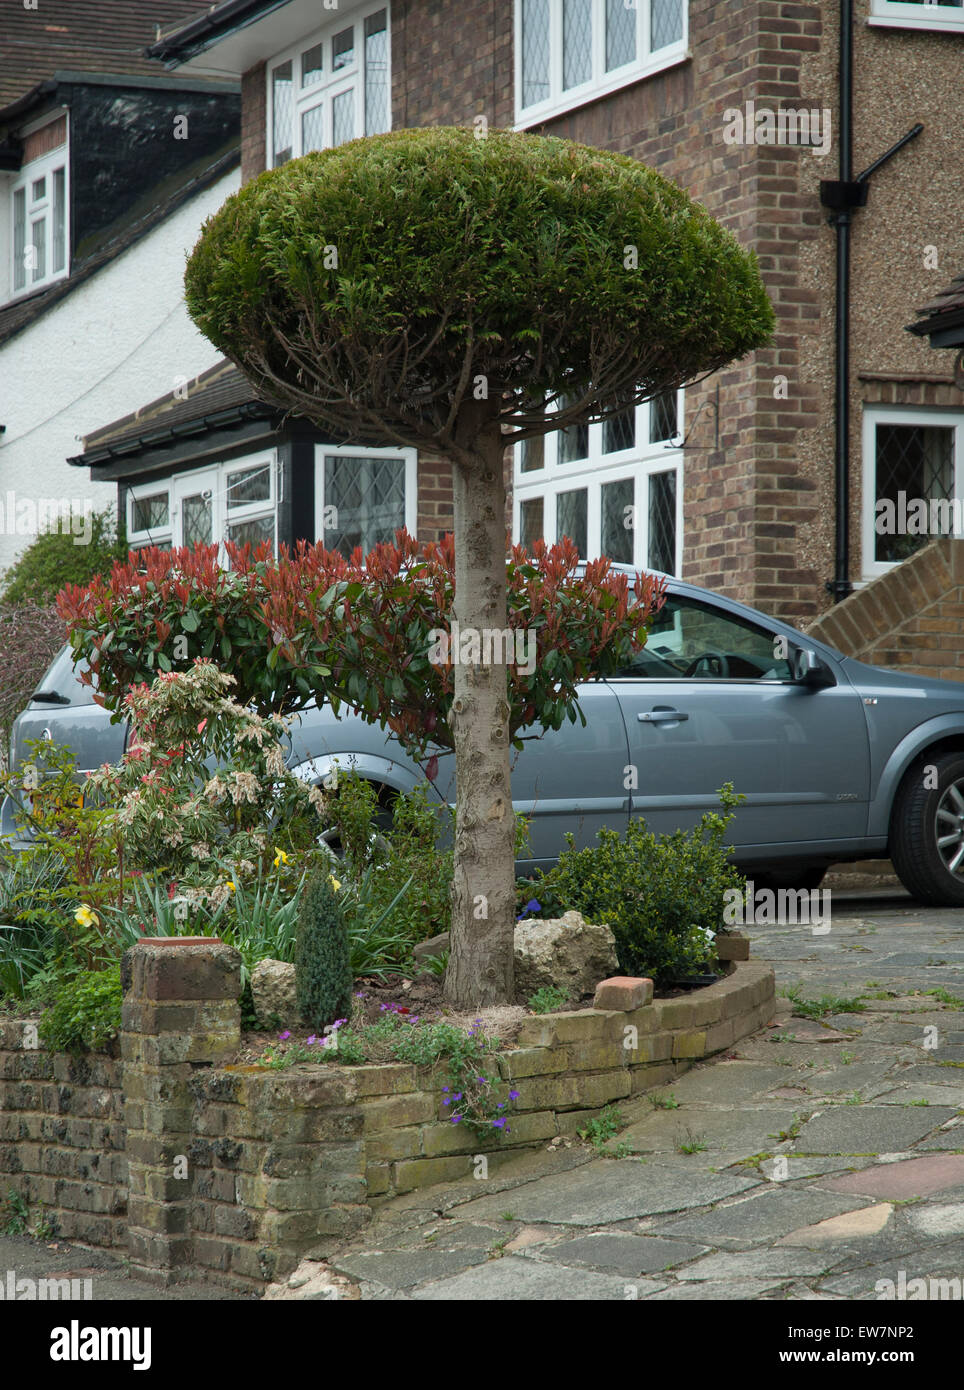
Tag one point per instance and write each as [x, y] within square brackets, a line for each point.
[662, 716]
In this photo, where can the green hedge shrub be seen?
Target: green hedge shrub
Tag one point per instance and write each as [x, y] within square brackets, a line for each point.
[659, 894]
[323, 977]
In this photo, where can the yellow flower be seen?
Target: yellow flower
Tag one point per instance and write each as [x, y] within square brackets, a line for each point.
[230, 886]
[335, 882]
[85, 917]
[280, 857]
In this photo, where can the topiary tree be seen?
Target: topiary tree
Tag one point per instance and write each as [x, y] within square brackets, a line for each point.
[323, 978]
[431, 289]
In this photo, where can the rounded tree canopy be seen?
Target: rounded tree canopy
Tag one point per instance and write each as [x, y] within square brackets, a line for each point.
[378, 286]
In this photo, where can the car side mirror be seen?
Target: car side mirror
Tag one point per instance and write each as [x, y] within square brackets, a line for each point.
[808, 668]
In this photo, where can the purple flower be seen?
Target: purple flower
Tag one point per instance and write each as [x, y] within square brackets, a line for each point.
[445, 1089]
[513, 1095]
[498, 1124]
[361, 996]
[531, 906]
[339, 1022]
[501, 1105]
[311, 1040]
[283, 1037]
[457, 1096]
[447, 1100]
[481, 1080]
[456, 1119]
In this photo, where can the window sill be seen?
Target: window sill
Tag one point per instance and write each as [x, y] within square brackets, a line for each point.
[580, 97]
[928, 24]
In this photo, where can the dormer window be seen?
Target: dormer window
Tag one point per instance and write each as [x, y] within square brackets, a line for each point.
[331, 87]
[39, 211]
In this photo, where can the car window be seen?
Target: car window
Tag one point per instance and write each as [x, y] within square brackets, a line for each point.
[701, 642]
[63, 678]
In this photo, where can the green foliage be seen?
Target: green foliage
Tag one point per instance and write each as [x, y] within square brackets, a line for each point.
[406, 859]
[456, 256]
[547, 999]
[85, 1013]
[827, 1004]
[659, 895]
[202, 793]
[66, 556]
[322, 955]
[30, 884]
[14, 1214]
[603, 1127]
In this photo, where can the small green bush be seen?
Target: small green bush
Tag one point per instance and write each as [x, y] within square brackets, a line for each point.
[659, 894]
[85, 1013]
[55, 558]
[323, 977]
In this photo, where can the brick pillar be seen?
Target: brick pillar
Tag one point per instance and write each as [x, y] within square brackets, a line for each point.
[180, 1012]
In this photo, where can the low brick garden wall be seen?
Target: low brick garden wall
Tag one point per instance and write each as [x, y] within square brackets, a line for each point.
[201, 1168]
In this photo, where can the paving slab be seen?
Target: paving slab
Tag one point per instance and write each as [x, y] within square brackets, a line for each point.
[606, 1190]
[937, 1220]
[937, 1261]
[403, 1269]
[728, 1290]
[724, 1083]
[621, 1253]
[863, 1129]
[754, 1264]
[915, 1177]
[839, 1230]
[759, 1217]
[515, 1277]
[921, 1093]
[740, 1131]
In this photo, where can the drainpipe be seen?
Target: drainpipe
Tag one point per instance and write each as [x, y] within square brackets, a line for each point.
[843, 196]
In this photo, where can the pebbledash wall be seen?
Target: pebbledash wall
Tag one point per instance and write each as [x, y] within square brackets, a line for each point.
[204, 1169]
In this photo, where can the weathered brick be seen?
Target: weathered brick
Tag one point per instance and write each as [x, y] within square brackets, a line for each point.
[532, 1061]
[395, 1143]
[689, 1044]
[731, 946]
[396, 1111]
[392, 1078]
[423, 1172]
[623, 992]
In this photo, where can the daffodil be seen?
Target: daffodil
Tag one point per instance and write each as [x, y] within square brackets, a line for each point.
[335, 882]
[230, 886]
[86, 917]
[279, 857]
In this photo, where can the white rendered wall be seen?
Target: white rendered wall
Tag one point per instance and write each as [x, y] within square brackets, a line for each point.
[118, 341]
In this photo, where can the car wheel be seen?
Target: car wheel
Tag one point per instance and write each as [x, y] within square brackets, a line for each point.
[927, 831]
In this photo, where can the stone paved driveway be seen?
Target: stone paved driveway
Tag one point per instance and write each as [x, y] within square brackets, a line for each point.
[815, 1159]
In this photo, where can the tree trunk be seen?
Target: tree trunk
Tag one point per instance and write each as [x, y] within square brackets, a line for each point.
[483, 890]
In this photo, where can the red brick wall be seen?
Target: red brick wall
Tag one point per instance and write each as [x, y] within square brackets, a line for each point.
[253, 118]
[451, 62]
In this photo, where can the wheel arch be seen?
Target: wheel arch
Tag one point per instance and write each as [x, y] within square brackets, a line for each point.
[936, 737]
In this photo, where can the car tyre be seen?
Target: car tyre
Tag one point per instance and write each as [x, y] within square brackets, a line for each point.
[922, 817]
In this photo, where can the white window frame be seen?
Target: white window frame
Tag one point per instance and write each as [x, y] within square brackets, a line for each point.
[221, 518]
[640, 462]
[601, 83]
[350, 78]
[410, 457]
[43, 167]
[873, 416]
[896, 14]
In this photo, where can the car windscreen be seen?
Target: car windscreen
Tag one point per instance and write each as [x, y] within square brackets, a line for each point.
[63, 678]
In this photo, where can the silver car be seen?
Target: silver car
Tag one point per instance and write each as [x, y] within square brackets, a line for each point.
[837, 760]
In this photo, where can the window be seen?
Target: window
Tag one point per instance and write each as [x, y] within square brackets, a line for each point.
[919, 14]
[613, 488]
[234, 501]
[698, 641]
[570, 51]
[363, 496]
[332, 87]
[913, 482]
[39, 213]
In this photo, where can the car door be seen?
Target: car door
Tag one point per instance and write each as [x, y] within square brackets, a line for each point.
[711, 699]
[574, 779]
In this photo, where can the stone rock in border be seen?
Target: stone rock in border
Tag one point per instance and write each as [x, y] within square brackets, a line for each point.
[273, 992]
[565, 951]
[434, 946]
[313, 1280]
